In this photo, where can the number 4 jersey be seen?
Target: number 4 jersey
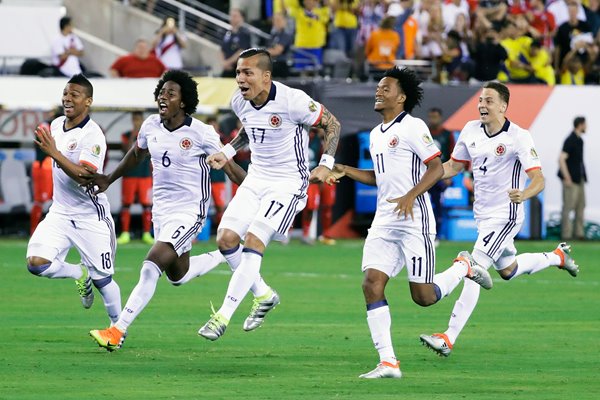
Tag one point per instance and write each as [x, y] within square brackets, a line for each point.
[180, 174]
[500, 162]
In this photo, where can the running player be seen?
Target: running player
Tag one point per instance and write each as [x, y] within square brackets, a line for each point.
[406, 164]
[178, 145]
[77, 218]
[275, 119]
[503, 156]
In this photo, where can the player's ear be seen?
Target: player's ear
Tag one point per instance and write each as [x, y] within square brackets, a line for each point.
[89, 101]
[401, 98]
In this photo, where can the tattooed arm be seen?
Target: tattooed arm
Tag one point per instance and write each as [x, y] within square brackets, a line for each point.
[218, 160]
[331, 126]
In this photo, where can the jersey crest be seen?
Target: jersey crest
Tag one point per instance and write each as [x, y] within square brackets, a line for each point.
[185, 143]
[275, 120]
[72, 145]
[393, 142]
[500, 150]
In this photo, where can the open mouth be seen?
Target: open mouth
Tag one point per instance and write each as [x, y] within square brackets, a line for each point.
[162, 107]
[67, 107]
[244, 90]
[483, 113]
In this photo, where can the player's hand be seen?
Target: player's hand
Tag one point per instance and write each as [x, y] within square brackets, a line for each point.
[335, 174]
[217, 160]
[404, 206]
[319, 174]
[516, 196]
[45, 141]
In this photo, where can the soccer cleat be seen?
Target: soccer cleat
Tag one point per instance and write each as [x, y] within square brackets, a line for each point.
[124, 238]
[260, 307]
[84, 287]
[567, 263]
[438, 342]
[111, 338]
[147, 238]
[475, 272]
[215, 327]
[327, 241]
[384, 370]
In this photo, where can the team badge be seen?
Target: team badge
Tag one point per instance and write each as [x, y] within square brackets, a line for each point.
[96, 149]
[534, 153]
[72, 145]
[393, 141]
[185, 143]
[275, 120]
[312, 106]
[427, 139]
[500, 150]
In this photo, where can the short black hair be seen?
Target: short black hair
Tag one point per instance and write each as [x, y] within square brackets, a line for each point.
[64, 21]
[436, 110]
[409, 84]
[501, 88]
[265, 62]
[137, 113]
[81, 80]
[189, 88]
[578, 121]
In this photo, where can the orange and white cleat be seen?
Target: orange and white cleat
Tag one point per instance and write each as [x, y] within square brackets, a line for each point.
[567, 263]
[438, 342]
[475, 272]
[384, 370]
[111, 338]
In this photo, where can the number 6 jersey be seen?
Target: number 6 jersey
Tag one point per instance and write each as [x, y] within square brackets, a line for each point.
[180, 174]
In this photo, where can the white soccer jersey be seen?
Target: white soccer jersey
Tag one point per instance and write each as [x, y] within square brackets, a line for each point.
[169, 51]
[399, 151]
[180, 174]
[500, 163]
[278, 133]
[82, 144]
[70, 66]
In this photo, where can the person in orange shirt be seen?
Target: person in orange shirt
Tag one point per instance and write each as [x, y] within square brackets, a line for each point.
[382, 46]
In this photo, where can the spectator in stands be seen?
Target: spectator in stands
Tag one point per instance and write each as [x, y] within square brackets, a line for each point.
[279, 45]
[572, 31]
[455, 63]
[370, 15]
[382, 46]
[560, 10]
[592, 15]
[487, 54]
[431, 29]
[540, 60]
[492, 13]
[517, 67]
[235, 41]
[541, 21]
[136, 183]
[408, 29]
[453, 11]
[574, 177]
[578, 63]
[311, 32]
[141, 63]
[444, 140]
[345, 25]
[168, 44]
[66, 49]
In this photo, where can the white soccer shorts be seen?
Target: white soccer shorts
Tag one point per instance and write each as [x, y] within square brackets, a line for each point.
[496, 242]
[180, 230]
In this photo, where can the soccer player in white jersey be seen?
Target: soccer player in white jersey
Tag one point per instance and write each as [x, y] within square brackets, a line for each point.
[178, 146]
[503, 156]
[406, 164]
[77, 217]
[275, 122]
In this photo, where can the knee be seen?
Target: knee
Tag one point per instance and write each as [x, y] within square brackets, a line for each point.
[424, 299]
[227, 239]
[505, 274]
[100, 283]
[37, 265]
[373, 289]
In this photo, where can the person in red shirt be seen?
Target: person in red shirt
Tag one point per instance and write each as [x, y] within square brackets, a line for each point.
[542, 21]
[141, 63]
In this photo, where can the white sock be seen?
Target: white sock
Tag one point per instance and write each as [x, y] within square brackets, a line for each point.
[200, 265]
[259, 287]
[111, 295]
[60, 269]
[450, 278]
[240, 283]
[463, 308]
[140, 296]
[380, 325]
[530, 263]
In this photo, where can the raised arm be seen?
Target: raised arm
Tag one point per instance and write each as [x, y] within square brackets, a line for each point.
[218, 160]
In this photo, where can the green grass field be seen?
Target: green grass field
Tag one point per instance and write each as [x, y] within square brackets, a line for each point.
[532, 338]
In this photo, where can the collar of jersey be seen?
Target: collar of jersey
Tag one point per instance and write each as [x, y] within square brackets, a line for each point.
[504, 129]
[272, 94]
[397, 120]
[187, 122]
[79, 125]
